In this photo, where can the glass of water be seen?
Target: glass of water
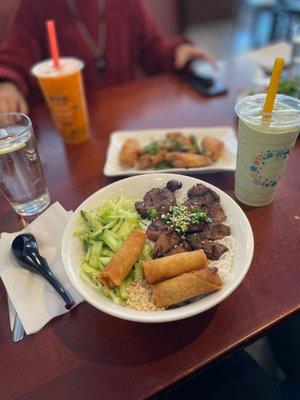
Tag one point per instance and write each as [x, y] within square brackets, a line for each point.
[22, 179]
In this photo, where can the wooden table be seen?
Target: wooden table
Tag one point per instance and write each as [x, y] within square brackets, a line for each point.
[86, 354]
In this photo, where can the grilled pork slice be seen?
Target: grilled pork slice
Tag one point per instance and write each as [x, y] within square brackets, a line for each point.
[214, 231]
[158, 199]
[179, 248]
[156, 227]
[213, 250]
[200, 190]
[165, 242]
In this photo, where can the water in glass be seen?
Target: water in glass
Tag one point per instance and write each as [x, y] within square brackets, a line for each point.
[21, 176]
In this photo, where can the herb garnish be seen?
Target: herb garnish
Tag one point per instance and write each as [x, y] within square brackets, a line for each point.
[182, 217]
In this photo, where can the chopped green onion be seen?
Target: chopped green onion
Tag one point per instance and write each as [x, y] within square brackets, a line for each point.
[182, 217]
[163, 165]
[152, 214]
[152, 148]
[195, 145]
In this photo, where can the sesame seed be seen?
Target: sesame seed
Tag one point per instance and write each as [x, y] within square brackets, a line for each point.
[140, 296]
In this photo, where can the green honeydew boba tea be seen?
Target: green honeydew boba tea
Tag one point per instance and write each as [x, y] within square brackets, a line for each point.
[264, 145]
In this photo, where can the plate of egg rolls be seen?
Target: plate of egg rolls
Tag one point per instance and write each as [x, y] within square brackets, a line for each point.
[157, 249]
[181, 150]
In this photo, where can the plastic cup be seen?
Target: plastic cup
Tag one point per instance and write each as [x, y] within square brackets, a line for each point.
[264, 146]
[63, 90]
[22, 179]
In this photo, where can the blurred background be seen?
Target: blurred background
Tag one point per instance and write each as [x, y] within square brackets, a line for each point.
[225, 27]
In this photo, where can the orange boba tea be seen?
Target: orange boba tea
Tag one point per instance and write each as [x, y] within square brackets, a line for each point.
[63, 90]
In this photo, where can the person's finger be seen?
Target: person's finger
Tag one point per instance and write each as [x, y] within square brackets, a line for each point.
[186, 53]
[11, 109]
[9, 119]
[178, 63]
[4, 107]
[211, 59]
[22, 106]
[12, 104]
[180, 60]
[199, 53]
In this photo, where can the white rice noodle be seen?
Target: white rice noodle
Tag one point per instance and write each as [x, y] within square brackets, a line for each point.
[225, 262]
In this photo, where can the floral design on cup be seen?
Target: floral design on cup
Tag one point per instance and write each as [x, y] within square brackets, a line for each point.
[257, 165]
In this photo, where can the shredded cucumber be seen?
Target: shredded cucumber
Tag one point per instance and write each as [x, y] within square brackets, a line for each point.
[102, 232]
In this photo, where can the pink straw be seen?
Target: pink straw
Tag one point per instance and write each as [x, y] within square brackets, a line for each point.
[53, 47]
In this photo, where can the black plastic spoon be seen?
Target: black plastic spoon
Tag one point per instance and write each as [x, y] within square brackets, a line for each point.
[26, 252]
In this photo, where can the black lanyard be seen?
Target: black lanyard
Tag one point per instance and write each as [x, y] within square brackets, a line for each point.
[96, 48]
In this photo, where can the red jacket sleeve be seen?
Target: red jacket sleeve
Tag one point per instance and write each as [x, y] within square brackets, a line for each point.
[21, 47]
[157, 51]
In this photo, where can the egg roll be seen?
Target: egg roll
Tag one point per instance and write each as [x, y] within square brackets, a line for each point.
[184, 287]
[187, 160]
[212, 147]
[120, 265]
[129, 153]
[159, 269]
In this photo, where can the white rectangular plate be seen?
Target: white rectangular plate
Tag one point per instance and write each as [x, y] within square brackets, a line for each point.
[226, 162]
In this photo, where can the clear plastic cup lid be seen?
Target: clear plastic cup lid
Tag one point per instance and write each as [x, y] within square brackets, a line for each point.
[68, 65]
[285, 114]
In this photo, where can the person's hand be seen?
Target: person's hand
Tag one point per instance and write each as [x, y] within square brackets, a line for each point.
[186, 52]
[11, 99]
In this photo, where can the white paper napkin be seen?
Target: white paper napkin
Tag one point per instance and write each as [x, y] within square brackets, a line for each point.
[35, 301]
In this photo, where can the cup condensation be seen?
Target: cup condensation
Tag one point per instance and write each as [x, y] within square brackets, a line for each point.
[64, 92]
[264, 145]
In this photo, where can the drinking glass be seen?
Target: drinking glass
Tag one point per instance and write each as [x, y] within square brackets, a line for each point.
[22, 180]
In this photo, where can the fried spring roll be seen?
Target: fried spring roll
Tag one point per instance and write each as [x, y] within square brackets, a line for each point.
[120, 265]
[213, 147]
[130, 152]
[159, 269]
[187, 160]
[184, 287]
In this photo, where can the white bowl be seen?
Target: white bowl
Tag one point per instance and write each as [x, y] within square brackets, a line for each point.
[136, 187]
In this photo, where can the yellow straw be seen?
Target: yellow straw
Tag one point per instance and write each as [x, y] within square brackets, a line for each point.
[273, 86]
